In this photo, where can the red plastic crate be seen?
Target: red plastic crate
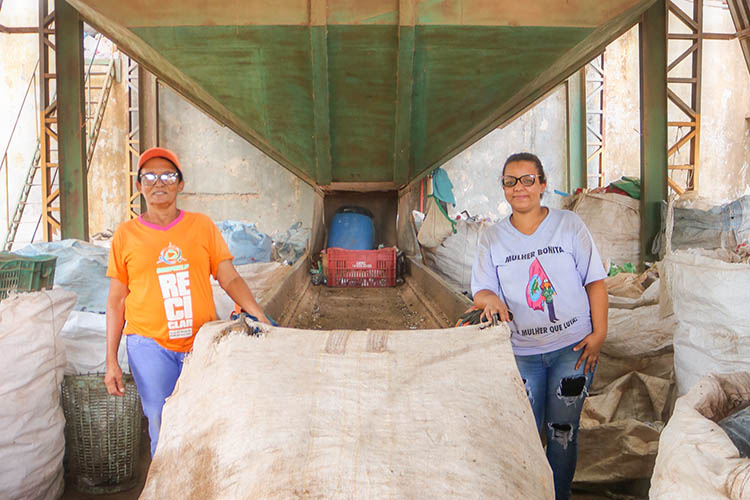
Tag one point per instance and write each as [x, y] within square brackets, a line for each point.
[361, 268]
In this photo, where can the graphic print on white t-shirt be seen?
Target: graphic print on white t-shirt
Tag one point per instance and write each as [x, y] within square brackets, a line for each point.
[174, 281]
[541, 278]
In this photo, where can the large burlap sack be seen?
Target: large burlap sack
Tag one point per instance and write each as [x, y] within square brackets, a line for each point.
[614, 222]
[696, 457]
[710, 299]
[437, 414]
[629, 399]
[454, 258]
[32, 358]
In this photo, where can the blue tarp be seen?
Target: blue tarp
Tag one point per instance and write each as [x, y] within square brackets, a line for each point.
[247, 244]
[81, 267]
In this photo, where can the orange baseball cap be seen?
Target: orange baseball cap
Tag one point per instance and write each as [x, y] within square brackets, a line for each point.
[158, 153]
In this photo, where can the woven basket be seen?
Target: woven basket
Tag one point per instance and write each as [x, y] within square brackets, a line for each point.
[102, 433]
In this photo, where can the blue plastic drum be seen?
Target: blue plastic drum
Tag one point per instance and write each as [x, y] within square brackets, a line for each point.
[352, 228]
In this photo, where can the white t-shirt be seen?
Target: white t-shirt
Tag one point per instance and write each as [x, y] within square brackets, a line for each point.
[541, 278]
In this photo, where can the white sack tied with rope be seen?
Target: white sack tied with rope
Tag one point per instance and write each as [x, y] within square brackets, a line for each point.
[349, 414]
[32, 357]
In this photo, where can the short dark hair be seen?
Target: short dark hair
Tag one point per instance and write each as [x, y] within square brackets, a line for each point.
[528, 157]
[179, 172]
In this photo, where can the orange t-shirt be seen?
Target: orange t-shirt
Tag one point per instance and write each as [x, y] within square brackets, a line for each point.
[167, 272]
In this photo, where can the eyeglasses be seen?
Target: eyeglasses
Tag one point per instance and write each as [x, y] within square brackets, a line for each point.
[149, 178]
[526, 180]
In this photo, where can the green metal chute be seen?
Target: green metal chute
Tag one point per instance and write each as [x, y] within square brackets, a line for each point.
[358, 91]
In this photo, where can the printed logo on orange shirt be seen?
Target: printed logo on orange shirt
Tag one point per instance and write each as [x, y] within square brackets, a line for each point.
[174, 280]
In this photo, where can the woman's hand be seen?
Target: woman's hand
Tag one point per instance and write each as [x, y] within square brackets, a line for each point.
[491, 305]
[113, 379]
[591, 346]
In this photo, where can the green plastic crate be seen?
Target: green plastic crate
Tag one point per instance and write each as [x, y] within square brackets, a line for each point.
[26, 274]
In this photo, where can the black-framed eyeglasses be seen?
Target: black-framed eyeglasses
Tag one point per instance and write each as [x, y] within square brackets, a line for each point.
[526, 180]
[149, 178]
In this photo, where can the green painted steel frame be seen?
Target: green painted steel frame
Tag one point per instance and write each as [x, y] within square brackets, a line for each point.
[70, 122]
[653, 86]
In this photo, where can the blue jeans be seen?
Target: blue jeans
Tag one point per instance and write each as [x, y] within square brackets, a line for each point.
[155, 370]
[556, 392]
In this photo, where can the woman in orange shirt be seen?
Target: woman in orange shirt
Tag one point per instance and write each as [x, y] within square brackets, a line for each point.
[160, 291]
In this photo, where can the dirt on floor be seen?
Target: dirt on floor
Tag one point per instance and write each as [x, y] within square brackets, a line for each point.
[396, 308]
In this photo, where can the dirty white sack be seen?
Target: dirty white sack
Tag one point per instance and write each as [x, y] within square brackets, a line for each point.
[696, 457]
[436, 227]
[710, 300]
[32, 358]
[614, 222]
[437, 414]
[454, 258]
[260, 277]
[85, 338]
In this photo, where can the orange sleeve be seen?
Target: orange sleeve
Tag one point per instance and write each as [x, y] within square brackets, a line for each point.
[116, 267]
[217, 248]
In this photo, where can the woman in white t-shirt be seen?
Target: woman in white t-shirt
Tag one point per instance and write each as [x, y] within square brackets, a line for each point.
[541, 264]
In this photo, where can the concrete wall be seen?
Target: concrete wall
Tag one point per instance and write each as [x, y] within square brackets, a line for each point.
[475, 173]
[724, 172]
[107, 175]
[725, 132]
[225, 176]
[15, 72]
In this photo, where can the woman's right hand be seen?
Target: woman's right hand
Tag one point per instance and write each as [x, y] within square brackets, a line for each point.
[491, 305]
[113, 379]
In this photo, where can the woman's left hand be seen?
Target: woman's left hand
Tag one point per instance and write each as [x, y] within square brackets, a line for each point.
[591, 346]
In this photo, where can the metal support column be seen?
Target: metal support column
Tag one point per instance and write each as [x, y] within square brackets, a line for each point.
[143, 127]
[48, 158]
[684, 94]
[131, 143]
[653, 86]
[577, 175]
[148, 110]
[71, 120]
[595, 122]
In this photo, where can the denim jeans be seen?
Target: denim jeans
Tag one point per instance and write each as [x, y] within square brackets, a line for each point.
[155, 370]
[556, 392]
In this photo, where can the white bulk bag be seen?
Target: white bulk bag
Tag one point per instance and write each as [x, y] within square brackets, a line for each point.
[696, 457]
[32, 357]
[437, 414]
[711, 301]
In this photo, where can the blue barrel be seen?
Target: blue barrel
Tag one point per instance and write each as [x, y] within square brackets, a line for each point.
[352, 228]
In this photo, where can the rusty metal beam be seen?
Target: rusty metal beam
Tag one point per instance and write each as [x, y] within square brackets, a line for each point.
[13, 30]
[576, 124]
[71, 121]
[693, 56]
[48, 158]
[135, 202]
